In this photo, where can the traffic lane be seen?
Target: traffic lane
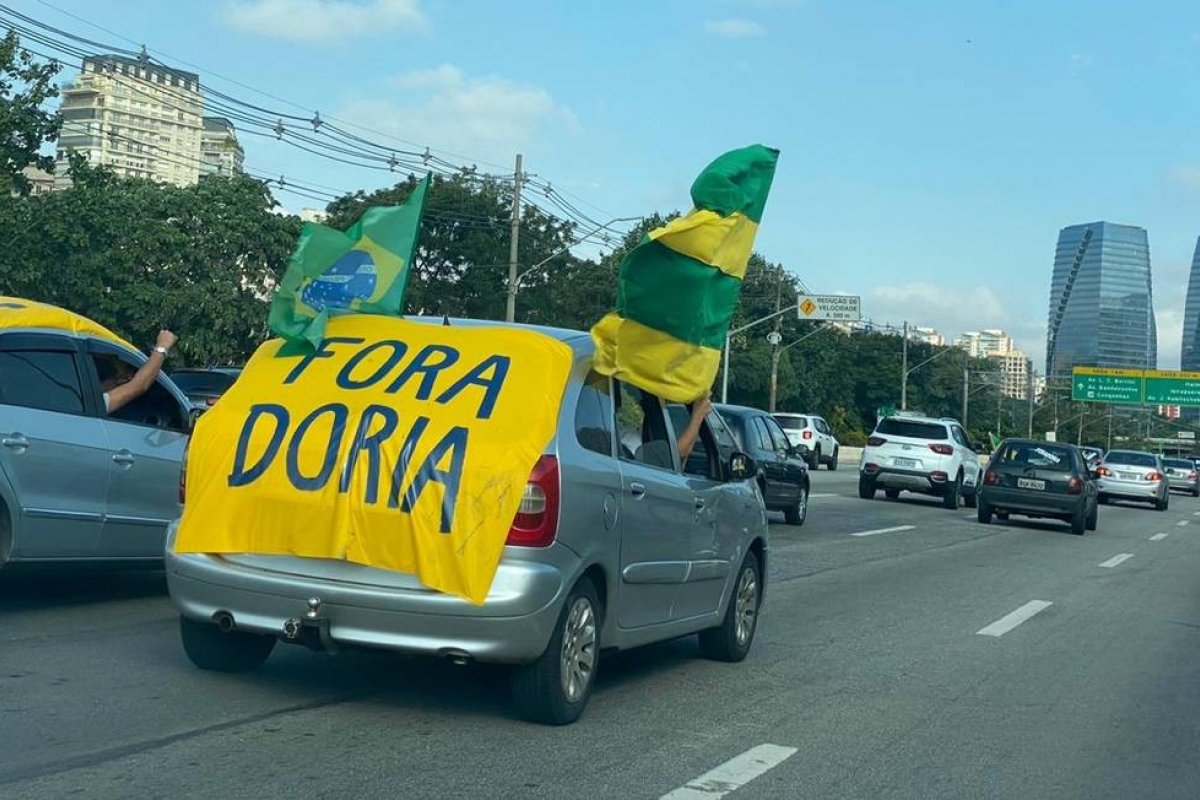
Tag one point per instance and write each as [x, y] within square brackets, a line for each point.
[39, 603]
[849, 663]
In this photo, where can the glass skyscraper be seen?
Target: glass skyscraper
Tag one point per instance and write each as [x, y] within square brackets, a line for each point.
[1101, 303]
[1190, 351]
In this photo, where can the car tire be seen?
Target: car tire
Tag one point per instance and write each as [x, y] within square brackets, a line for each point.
[1002, 516]
[541, 691]
[730, 641]
[1164, 503]
[798, 513]
[971, 499]
[952, 494]
[891, 494]
[983, 511]
[1093, 519]
[866, 488]
[833, 462]
[816, 460]
[1078, 522]
[1196, 492]
[209, 648]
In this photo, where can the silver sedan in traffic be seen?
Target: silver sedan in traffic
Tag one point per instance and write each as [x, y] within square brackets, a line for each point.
[1133, 475]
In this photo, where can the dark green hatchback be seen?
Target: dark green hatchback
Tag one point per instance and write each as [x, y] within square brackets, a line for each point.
[1047, 480]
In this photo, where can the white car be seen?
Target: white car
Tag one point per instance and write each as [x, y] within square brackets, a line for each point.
[812, 437]
[909, 453]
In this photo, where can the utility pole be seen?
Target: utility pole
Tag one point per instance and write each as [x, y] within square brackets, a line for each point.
[966, 386]
[1110, 416]
[510, 312]
[775, 352]
[1029, 392]
[904, 369]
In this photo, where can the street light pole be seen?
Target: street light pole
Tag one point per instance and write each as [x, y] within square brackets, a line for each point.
[510, 310]
[728, 336]
[775, 345]
[904, 369]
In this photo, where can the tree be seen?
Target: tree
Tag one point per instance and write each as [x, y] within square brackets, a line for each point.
[25, 125]
[136, 256]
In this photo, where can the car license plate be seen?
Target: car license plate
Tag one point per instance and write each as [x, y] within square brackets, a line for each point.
[1128, 476]
[908, 463]
[1030, 483]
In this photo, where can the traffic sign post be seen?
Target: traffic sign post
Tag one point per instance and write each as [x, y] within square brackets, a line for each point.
[832, 307]
[1173, 388]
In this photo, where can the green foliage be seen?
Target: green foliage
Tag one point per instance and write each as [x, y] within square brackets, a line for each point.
[25, 125]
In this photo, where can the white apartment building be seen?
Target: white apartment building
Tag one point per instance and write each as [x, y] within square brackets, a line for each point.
[1015, 369]
[931, 336]
[980, 344]
[220, 151]
[141, 119]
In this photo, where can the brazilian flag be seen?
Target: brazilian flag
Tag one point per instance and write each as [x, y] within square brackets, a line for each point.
[363, 269]
[679, 286]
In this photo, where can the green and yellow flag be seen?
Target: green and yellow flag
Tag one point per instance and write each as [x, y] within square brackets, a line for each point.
[363, 269]
[678, 288]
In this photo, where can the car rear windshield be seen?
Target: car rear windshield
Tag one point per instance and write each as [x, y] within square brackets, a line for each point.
[1132, 459]
[912, 430]
[1179, 463]
[792, 423]
[203, 382]
[1038, 455]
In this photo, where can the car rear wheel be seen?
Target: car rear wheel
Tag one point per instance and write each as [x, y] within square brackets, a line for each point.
[1093, 519]
[984, 512]
[891, 494]
[1163, 503]
[555, 688]
[953, 494]
[816, 459]
[797, 514]
[971, 499]
[1102, 500]
[833, 461]
[866, 488]
[731, 640]
[1078, 523]
[1196, 491]
[211, 649]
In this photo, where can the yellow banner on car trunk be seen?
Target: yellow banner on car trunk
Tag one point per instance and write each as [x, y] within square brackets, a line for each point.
[394, 444]
[16, 312]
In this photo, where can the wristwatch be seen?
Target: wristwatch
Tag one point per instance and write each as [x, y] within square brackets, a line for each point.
[158, 348]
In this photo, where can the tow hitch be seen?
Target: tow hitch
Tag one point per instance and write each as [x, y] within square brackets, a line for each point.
[310, 630]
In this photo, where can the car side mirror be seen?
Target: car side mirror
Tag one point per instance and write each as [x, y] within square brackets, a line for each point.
[193, 415]
[741, 467]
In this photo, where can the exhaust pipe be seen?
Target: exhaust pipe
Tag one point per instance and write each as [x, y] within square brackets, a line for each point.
[224, 621]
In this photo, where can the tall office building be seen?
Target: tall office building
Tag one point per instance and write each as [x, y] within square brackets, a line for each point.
[1189, 352]
[220, 151]
[141, 119]
[1101, 302]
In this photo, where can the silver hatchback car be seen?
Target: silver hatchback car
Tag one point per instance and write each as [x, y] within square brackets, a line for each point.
[618, 544]
[77, 485]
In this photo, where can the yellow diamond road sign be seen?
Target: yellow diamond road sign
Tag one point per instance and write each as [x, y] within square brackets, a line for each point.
[808, 307]
[834, 307]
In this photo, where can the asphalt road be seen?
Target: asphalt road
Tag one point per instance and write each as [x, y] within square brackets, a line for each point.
[872, 676]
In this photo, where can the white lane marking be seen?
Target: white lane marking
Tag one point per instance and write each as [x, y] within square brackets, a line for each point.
[1182, 522]
[1158, 537]
[1010, 621]
[733, 774]
[822, 494]
[1196, 513]
[1117, 560]
[878, 531]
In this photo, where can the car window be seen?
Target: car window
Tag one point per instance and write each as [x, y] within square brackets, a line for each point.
[1132, 459]
[725, 440]
[642, 429]
[1178, 463]
[594, 414]
[960, 437]
[42, 379]
[779, 442]
[203, 382]
[702, 461]
[912, 429]
[1041, 455]
[757, 429]
[792, 423]
[822, 425]
[157, 408]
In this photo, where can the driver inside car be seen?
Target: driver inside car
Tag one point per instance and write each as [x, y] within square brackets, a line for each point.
[121, 385]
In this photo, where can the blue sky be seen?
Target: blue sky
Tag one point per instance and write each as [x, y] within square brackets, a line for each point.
[931, 149]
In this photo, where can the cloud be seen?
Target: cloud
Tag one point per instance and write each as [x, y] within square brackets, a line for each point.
[489, 118]
[1185, 177]
[323, 20]
[734, 28]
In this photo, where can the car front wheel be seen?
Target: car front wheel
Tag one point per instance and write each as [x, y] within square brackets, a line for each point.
[555, 689]
[211, 649]
[731, 640]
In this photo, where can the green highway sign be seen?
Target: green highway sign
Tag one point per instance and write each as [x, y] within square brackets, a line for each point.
[1118, 386]
[1173, 388]
[1135, 387]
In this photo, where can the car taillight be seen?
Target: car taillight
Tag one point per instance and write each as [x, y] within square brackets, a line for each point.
[1192, 475]
[1153, 476]
[870, 469]
[938, 476]
[536, 523]
[1103, 472]
[876, 441]
[183, 473]
[806, 435]
[942, 449]
[1074, 486]
[991, 478]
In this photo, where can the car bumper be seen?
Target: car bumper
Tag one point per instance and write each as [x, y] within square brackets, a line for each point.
[892, 478]
[513, 625]
[1134, 490]
[1032, 503]
[1183, 484]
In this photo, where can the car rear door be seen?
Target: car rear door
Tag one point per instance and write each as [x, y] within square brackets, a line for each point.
[791, 474]
[53, 448]
[772, 460]
[146, 440]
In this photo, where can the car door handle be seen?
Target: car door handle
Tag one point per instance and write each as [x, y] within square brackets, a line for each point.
[124, 458]
[699, 503]
[16, 442]
[637, 489]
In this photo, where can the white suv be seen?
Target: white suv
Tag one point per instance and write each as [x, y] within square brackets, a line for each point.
[812, 437]
[912, 453]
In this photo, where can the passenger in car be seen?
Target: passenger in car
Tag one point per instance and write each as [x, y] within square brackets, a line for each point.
[687, 439]
[121, 386]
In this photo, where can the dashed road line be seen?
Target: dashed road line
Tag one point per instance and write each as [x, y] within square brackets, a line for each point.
[1158, 537]
[1117, 560]
[733, 774]
[1182, 522]
[813, 495]
[1010, 621]
[878, 531]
